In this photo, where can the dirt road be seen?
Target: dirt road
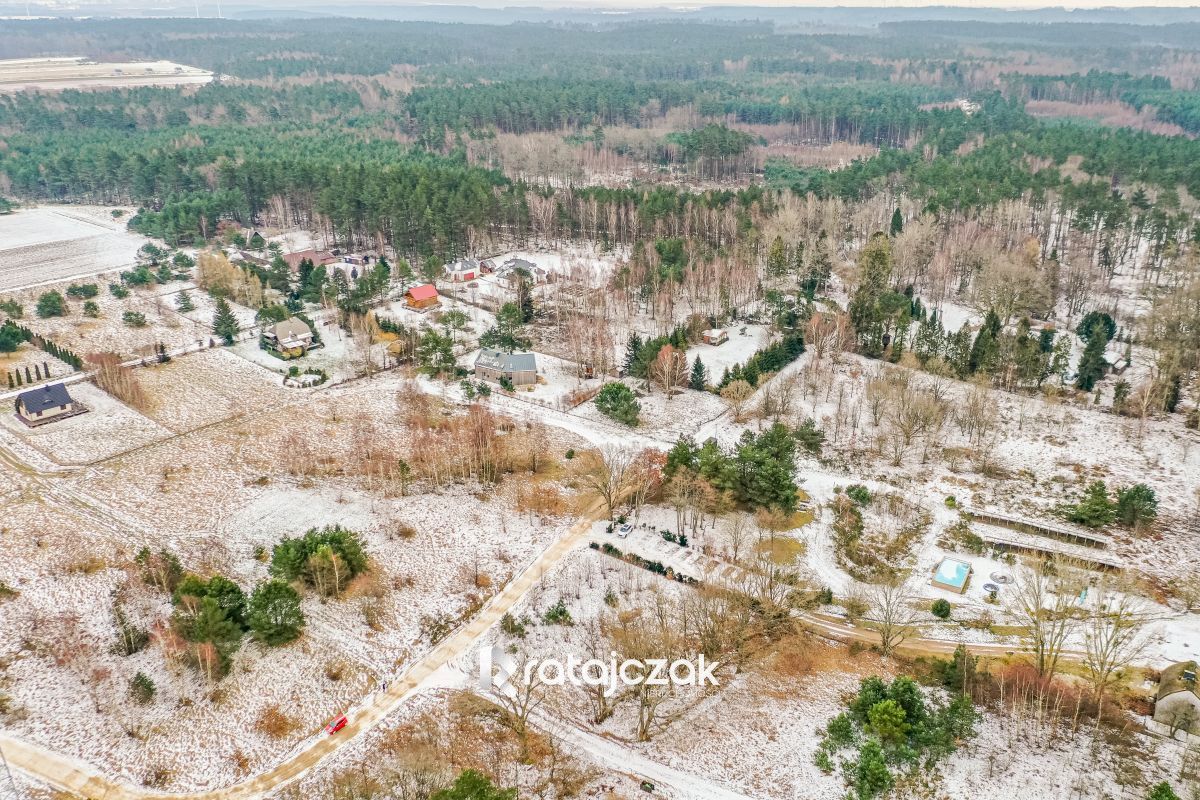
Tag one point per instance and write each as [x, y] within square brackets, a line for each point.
[69, 774]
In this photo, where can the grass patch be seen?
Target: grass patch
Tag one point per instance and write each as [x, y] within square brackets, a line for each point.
[782, 550]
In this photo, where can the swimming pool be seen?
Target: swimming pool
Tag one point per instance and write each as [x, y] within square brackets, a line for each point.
[952, 574]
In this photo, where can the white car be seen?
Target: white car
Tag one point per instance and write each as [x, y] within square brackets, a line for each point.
[624, 530]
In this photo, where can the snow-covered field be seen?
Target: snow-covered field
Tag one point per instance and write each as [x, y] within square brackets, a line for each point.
[49, 243]
[212, 496]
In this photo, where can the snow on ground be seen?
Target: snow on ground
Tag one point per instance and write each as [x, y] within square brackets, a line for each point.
[744, 341]
[109, 332]
[108, 428]
[48, 243]
[558, 379]
[205, 387]
[683, 414]
[29, 356]
[585, 263]
[213, 496]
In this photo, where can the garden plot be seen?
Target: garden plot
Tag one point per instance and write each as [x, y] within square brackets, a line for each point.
[684, 414]
[50, 243]
[744, 341]
[109, 332]
[584, 263]
[109, 427]
[206, 387]
[27, 357]
[558, 381]
[206, 308]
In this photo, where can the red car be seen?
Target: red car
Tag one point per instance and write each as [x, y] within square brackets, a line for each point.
[336, 725]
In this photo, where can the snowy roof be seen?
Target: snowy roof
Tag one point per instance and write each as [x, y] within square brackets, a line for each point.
[44, 398]
[290, 329]
[462, 265]
[508, 362]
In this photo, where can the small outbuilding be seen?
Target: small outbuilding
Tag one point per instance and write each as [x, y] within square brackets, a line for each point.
[290, 339]
[952, 575]
[715, 336]
[1176, 704]
[520, 369]
[45, 403]
[422, 297]
[463, 270]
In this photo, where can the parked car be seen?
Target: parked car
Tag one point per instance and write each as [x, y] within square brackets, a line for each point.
[336, 725]
[624, 530]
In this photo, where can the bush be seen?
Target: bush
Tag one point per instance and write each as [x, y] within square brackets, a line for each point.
[940, 608]
[118, 291]
[1136, 505]
[90, 309]
[616, 401]
[142, 689]
[1095, 510]
[859, 494]
[51, 304]
[810, 437]
[84, 291]
[12, 308]
[558, 614]
[512, 626]
[134, 319]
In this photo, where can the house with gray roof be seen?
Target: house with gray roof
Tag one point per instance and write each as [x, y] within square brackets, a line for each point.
[518, 368]
[44, 403]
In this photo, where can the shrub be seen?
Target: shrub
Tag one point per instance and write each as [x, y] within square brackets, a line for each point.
[84, 291]
[12, 308]
[134, 319]
[810, 437]
[1136, 505]
[558, 614]
[859, 494]
[616, 401]
[940, 608]
[51, 304]
[142, 689]
[118, 291]
[90, 309]
[1095, 510]
[512, 626]
[275, 724]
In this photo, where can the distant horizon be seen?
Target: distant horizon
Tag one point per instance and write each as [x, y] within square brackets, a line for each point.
[153, 8]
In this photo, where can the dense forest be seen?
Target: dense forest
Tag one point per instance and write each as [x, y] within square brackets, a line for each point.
[410, 141]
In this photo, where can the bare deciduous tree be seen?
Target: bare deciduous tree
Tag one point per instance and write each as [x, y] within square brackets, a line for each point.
[892, 612]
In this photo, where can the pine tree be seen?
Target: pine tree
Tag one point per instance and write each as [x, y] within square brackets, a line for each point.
[699, 377]
[633, 351]
[897, 223]
[184, 303]
[1092, 364]
[225, 324]
[777, 260]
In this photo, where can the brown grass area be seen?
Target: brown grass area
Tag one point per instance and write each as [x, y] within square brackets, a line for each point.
[1113, 114]
[274, 723]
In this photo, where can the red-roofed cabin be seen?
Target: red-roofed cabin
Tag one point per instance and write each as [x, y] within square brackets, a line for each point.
[423, 296]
